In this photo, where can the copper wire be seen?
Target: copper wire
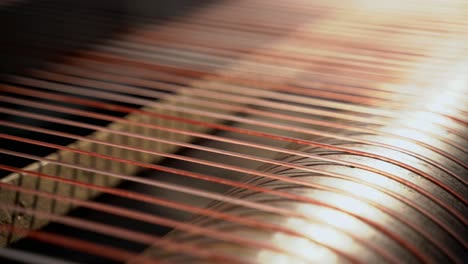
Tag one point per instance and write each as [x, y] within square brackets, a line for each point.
[159, 95]
[393, 214]
[332, 160]
[115, 107]
[118, 232]
[311, 70]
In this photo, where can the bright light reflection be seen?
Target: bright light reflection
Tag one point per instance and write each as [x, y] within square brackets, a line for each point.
[334, 218]
[322, 233]
[365, 192]
[305, 249]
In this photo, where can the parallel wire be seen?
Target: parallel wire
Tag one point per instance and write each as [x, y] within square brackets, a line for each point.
[350, 98]
[237, 184]
[114, 58]
[220, 165]
[219, 23]
[239, 95]
[119, 233]
[145, 63]
[200, 211]
[134, 42]
[208, 75]
[202, 229]
[30, 258]
[280, 150]
[117, 254]
[141, 216]
[228, 199]
[456, 106]
[266, 175]
[124, 109]
[133, 91]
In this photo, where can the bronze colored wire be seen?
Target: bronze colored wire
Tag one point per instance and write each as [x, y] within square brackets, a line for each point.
[115, 107]
[332, 88]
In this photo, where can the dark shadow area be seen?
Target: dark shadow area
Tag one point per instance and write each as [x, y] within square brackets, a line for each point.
[37, 32]
[34, 32]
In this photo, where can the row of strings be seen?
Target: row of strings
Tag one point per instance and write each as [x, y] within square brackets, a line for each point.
[334, 92]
